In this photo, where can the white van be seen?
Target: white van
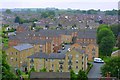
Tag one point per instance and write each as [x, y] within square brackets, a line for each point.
[98, 60]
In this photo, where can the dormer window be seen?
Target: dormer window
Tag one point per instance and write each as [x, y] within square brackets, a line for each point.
[40, 46]
[46, 37]
[77, 56]
[34, 35]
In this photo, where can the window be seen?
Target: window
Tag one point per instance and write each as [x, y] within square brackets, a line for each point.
[34, 35]
[76, 61]
[40, 46]
[77, 56]
[46, 37]
[52, 65]
[11, 58]
[82, 57]
[51, 60]
[82, 62]
[46, 59]
[69, 67]
[16, 53]
[76, 67]
[16, 59]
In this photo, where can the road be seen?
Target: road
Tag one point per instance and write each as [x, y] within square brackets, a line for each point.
[95, 71]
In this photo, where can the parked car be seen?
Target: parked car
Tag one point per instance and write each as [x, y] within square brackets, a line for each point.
[98, 60]
[58, 51]
[63, 48]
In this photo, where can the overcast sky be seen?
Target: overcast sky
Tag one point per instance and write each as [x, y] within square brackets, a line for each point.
[61, 4]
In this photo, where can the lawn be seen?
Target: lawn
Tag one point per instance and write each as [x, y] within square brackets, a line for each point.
[106, 59]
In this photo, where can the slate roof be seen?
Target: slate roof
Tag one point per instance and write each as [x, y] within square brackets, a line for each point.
[86, 44]
[46, 56]
[87, 34]
[80, 51]
[56, 56]
[42, 42]
[22, 47]
[39, 55]
[51, 75]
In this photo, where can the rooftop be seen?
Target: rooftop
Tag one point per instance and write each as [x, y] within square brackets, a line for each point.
[22, 47]
[65, 75]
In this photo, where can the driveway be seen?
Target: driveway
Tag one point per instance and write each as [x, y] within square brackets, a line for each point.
[95, 70]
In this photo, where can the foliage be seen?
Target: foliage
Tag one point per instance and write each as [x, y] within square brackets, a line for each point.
[21, 20]
[104, 32]
[19, 72]
[49, 13]
[81, 75]
[17, 20]
[6, 69]
[92, 11]
[74, 39]
[101, 27]
[115, 29]
[115, 49]
[90, 65]
[8, 11]
[105, 40]
[111, 66]
[72, 75]
[106, 45]
[118, 44]
[113, 12]
[43, 70]
[32, 70]
[33, 25]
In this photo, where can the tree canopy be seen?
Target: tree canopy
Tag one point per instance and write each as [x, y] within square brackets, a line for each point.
[8, 11]
[106, 45]
[105, 40]
[81, 75]
[111, 66]
[47, 14]
[6, 69]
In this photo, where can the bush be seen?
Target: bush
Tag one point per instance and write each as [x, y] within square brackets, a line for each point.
[90, 65]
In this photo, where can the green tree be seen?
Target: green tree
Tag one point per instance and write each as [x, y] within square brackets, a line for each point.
[101, 27]
[32, 70]
[7, 73]
[103, 32]
[115, 29]
[74, 39]
[118, 44]
[49, 13]
[17, 20]
[8, 11]
[105, 40]
[72, 75]
[43, 70]
[112, 66]
[106, 45]
[81, 75]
